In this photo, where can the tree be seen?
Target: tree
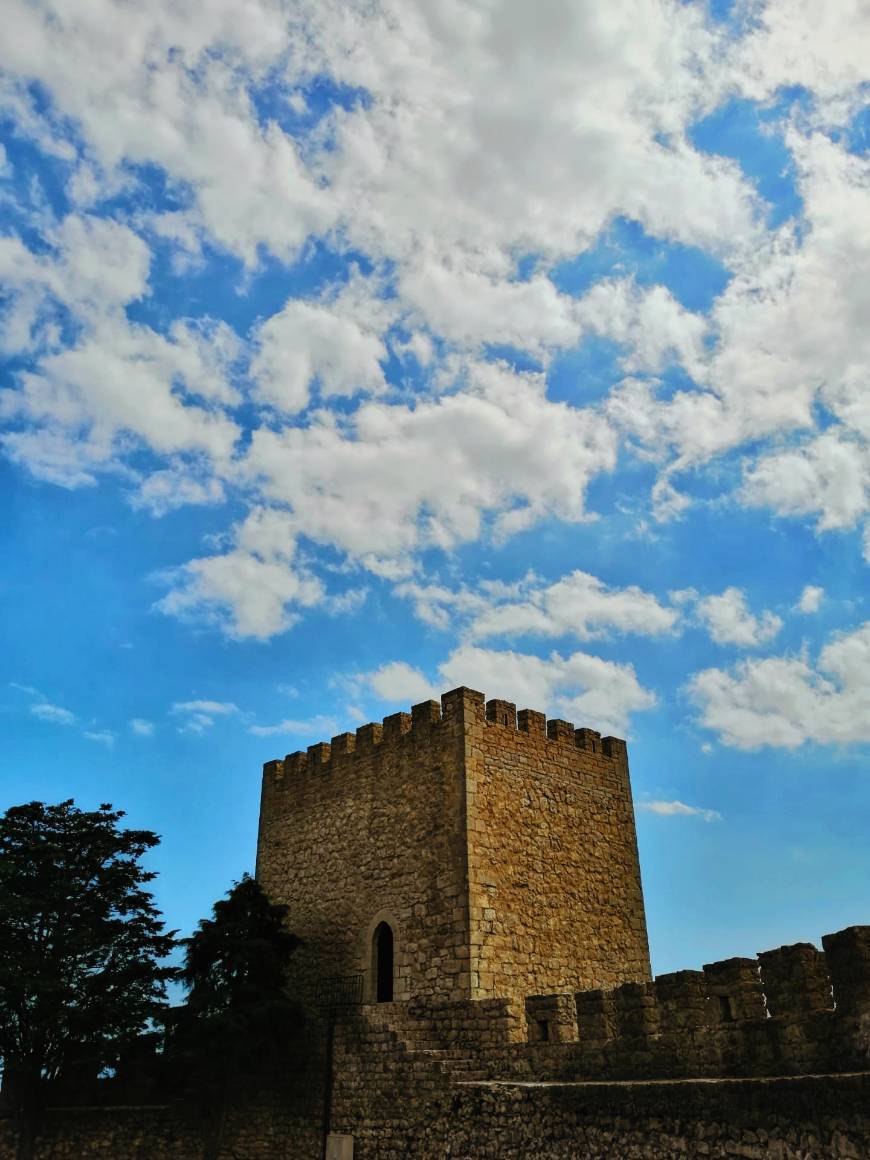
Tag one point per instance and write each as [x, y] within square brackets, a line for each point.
[80, 946]
[238, 1019]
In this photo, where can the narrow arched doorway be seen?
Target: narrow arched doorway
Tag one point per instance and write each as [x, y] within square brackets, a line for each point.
[382, 960]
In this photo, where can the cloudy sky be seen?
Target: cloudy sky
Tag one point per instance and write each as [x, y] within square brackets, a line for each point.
[353, 350]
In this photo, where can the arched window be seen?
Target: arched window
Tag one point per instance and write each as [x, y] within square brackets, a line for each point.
[382, 962]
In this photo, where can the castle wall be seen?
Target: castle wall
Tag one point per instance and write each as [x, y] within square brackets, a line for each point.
[554, 879]
[791, 1011]
[412, 1112]
[696, 1063]
[372, 827]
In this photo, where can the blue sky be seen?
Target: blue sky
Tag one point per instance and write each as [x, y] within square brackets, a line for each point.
[353, 352]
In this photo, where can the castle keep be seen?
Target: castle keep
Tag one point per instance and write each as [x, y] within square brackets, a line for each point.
[459, 852]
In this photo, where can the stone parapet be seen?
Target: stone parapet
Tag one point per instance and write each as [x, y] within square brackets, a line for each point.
[781, 1013]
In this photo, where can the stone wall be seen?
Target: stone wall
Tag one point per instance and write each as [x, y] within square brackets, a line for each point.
[432, 1080]
[554, 878]
[500, 849]
[792, 1010]
[371, 828]
[164, 1133]
[424, 1118]
[810, 1118]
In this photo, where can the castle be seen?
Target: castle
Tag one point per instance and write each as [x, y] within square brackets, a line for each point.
[459, 852]
[466, 882]
[476, 870]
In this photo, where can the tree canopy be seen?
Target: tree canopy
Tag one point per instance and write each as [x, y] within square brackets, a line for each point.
[81, 942]
[238, 1027]
[235, 967]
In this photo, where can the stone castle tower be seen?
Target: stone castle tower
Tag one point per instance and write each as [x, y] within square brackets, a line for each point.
[459, 852]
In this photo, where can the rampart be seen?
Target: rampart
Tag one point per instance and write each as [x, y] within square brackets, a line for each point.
[498, 847]
[795, 1010]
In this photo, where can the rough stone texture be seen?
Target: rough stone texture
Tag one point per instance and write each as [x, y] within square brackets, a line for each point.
[424, 1079]
[806, 1118]
[371, 829]
[554, 881]
[795, 979]
[503, 856]
[802, 1119]
[163, 1133]
[847, 954]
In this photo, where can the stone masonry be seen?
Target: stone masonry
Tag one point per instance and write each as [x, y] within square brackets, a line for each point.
[499, 848]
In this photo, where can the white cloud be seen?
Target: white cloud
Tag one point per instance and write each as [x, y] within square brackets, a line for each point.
[464, 155]
[81, 401]
[28, 689]
[119, 379]
[242, 594]
[810, 599]
[200, 715]
[253, 590]
[675, 809]
[729, 621]
[91, 265]
[470, 308]
[828, 477]
[177, 486]
[141, 727]
[786, 701]
[463, 141]
[100, 737]
[579, 605]
[215, 708]
[399, 682]
[55, 714]
[823, 48]
[308, 341]
[590, 691]
[315, 727]
[650, 322]
[166, 86]
[791, 333]
[468, 143]
[398, 477]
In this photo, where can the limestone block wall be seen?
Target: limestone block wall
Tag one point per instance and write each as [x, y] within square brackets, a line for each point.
[408, 1109]
[793, 1010]
[812, 1118]
[554, 878]
[396, 1103]
[372, 827]
[500, 849]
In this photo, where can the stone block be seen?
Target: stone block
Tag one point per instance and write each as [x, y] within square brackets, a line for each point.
[848, 957]
[795, 980]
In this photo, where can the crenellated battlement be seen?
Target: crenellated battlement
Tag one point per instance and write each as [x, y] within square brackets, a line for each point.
[790, 1010]
[430, 723]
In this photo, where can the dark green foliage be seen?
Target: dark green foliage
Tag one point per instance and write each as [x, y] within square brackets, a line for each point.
[238, 1018]
[237, 960]
[80, 944]
[235, 1033]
